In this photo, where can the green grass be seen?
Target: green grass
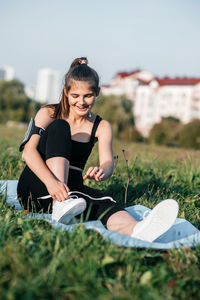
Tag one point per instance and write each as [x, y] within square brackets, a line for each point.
[40, 262]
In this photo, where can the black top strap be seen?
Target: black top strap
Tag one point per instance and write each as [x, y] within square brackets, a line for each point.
[94, 129]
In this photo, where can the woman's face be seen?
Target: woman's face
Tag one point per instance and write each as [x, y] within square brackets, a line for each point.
[80, 98]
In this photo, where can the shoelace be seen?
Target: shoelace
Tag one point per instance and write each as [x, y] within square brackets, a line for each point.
[73, 196]
[77, 192]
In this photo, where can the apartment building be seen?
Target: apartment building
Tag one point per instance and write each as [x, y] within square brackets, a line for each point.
[177, 97]
[48, 87]
[126, 83]
[154, 98]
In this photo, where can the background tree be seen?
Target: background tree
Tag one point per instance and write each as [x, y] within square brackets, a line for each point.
[166, 132]
[117, 110]
[14, 104]
[189, 135]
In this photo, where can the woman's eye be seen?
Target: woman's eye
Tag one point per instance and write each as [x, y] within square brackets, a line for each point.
[75, 96]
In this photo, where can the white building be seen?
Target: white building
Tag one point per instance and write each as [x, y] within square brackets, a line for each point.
[178, 97]
[154, 98]
[48, 87]
[125, 83]
[7, 73]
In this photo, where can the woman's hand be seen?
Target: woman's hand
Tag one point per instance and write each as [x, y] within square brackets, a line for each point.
[95, 173]
[58, 190]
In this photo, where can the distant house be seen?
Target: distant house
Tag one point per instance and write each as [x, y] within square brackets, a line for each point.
[126, 83]
[178, 97]
[154, 98]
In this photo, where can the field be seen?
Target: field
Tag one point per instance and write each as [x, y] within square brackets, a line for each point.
[39, 262]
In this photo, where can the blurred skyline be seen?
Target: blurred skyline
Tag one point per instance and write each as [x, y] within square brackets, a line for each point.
[159, 36]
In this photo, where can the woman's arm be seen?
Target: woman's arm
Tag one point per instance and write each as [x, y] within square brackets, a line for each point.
[55, 186]
[106, 162]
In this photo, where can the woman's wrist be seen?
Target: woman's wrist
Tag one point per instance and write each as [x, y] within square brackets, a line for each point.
[50, 180]
[107, 171]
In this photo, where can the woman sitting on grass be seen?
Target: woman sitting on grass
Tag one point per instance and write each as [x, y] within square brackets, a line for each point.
[56, 151]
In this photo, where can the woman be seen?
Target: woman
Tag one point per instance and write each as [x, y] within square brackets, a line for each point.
[56, 151]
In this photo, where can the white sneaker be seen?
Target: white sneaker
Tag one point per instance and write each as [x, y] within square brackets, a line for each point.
[159, 220]
[64, 211]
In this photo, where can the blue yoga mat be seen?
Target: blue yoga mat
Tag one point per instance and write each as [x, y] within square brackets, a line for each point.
[181, 234]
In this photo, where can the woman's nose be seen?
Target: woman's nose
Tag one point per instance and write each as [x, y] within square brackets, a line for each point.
[82, 99]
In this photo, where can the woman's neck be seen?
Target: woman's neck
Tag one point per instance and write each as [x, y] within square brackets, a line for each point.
[78, 119]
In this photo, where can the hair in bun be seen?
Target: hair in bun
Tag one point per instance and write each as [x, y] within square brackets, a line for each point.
[79, 61]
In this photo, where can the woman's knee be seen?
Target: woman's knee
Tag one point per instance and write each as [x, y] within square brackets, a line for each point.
[58, 142]
[59, 131]
[59, 125]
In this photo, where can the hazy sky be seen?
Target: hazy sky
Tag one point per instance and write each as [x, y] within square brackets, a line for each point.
[161, 36]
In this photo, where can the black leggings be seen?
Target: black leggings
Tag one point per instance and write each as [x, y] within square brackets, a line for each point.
[56, 141]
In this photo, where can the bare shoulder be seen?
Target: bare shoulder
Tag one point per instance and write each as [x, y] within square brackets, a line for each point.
[44, 117]
[104, 129]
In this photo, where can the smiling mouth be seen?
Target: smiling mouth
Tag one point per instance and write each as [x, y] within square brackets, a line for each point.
[82, 108]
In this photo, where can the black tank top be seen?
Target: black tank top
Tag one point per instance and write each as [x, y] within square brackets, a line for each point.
[81, 150]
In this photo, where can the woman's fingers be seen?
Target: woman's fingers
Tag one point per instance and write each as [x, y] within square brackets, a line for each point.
[99, 175]
[60, 192]
[88, 173]
[63, 192]
[59, 197]
[66, 190]
[94, 173]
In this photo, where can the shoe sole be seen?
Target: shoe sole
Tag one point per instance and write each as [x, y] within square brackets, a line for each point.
[72, 212]
[161, 219]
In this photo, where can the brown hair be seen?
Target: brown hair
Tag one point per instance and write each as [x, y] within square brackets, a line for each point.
[79, 71]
